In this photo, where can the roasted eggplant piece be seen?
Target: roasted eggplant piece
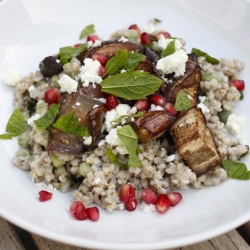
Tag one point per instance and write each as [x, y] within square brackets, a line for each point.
[110, 48]
[92, 92]
[152, 55]
[148, 67]
[92, 118]
[194, 142]
[189, 83]
[152, 125]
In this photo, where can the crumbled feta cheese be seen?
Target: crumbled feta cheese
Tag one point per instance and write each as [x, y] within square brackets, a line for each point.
[113, 139]
[123, 39]
[97, 43]
[155, 107]
[150, 28]
[174, 63]
[204, 108]
[12, 77]
[89, 72]
[202, 99]
[31, 120]
[147, 208]
[170, 158]
[235, 123]
[31, 89]
[67, 84]
[123, 70]
[78, 103]
[163, 43]
[121, 206]
[122, 150]
[87, 140]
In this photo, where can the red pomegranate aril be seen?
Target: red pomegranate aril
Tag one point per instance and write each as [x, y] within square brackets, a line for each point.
[169, 107]
[93, 213]
[164, 33]
[101, 58]
[77, 45]
[52, 95]
[126, 193]
[238, 84]
[131, 204]
[78, 210]
[111, 102]
[162, 204]
[146, 38]
[157, 99]
[101, 71]
[174, 198]
[149, 196]
[44, 195]
[92, 38]
[135, 27]
[142, 105]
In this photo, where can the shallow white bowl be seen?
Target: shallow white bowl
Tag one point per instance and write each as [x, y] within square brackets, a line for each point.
[31, 30]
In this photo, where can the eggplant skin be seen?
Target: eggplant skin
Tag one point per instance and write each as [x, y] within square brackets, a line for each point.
[49, 66]
[152, 125]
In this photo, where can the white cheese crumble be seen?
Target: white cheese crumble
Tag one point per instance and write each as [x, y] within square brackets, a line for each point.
[96, 181]
[89, 72]
[31, 89]
[155, 107]
[87, 140]
[12, 77]
[170, 158]
[95, 44]
[123, 39]
[31, 120]
[67, 84]
[147, 208]
[163, 43]
[150, 28]
[204, 108]
[235, 123]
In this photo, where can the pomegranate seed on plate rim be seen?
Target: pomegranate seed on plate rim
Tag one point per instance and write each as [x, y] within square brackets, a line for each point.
[93, 213]
[44, 195]
[162, 204]
[174, 198]
[78, 210]
[149, 196]
[131, 204]
[238, 84]
[126, 192]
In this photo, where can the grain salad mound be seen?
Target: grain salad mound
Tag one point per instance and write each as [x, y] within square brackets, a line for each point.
[102, 166]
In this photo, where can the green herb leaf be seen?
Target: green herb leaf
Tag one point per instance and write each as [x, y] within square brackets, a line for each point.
[116, 63]
[45, 121]
[236, 170]
[208, 58]
[157, 20]
[182, 102]
[169, 50]
[7, 136]
[116, 122]
[134, 59]
[88, 30]
[113, 159]
[69, 124]
[133, 85]
[130, 140]
[66, 53]
[241, 96]
[31, 105]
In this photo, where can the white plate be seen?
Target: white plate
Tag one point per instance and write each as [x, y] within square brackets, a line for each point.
[31, 30]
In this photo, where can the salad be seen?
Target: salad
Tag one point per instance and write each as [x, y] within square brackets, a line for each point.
[126, 120]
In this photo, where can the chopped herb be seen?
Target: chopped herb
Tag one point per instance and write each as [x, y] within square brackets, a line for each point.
[241, 96]
[31, 105]
[133, 85]
[69, 124]
[88, 30]
[169, 50]
[182, 102]
[130, 140]
[47, 120]
[16, 125]
[157, 20]
[236, 170]
[134, 59]
[113, 159]
[115, 123]
[208, 58]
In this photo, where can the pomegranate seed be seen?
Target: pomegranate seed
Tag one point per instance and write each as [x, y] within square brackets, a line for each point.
[146, 38]
[149, 196]
[111, 102]
[44, 195]
[78, 210]
[131, 204]
[135, 27]
[92, 38]
[238, 84]
[157, 99]
[142, 105]
[162, 204]
[101, 58]
[52, 95]
[174, 198]
[101, 71]
[93, 213]
[77, 45]
[164, 33]
[169, 107]
[126, 193]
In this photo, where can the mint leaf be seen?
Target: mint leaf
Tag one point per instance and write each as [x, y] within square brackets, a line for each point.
[45, 121]
[69, 124]
[134, 59]
[208, 58]
[66, 53]
[236, 170]
[169, 50]
[7, 136]
[130, 140]
[182, 102]
[116, 63]
[113, 159]
[133, 85]
[88, 30]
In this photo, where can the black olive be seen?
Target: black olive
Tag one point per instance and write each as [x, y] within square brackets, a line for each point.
[49, 66]
[151, 54]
